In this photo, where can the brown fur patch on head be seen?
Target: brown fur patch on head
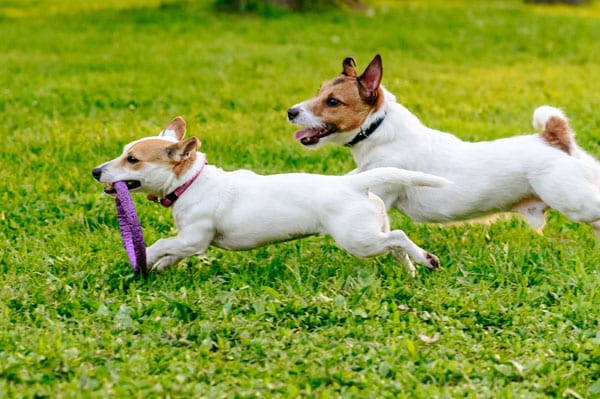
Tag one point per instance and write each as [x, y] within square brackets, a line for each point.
[342, 103]
[151, 150]
[558, 134]
[178, 156]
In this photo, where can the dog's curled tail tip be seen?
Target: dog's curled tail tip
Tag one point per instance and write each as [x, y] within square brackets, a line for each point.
[543, 114]
[553, 127]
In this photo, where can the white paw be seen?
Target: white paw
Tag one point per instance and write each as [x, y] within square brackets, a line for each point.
[161, 264]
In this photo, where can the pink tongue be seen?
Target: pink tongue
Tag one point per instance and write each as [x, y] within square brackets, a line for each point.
[300, 134]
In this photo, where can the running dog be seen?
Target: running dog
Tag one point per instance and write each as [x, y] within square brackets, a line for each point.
[526, 174]
[242, 210]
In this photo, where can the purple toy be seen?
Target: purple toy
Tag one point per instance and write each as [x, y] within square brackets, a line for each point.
[131, 230]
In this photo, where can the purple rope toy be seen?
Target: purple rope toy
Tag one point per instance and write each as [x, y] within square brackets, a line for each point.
[131, 230]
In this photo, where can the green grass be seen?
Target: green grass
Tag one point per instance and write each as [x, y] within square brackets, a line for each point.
[517, 313]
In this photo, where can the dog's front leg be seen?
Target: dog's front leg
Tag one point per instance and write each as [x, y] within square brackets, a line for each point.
[168, 251]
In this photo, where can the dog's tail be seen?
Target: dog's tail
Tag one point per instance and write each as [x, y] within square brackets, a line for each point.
[373, 178]
[553, 126]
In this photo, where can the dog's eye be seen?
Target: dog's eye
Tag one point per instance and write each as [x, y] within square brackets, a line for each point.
[332, 102]
[131, 159]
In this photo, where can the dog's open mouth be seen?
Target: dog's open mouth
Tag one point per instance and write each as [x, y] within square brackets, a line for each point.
[312, 135]
[131, 185]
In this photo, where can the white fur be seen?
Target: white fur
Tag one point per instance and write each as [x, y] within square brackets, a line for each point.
[542, 115]
[242, 210]
[169, 134]
[521, 174]
[306, 118]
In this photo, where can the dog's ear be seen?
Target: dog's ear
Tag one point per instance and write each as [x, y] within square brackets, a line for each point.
[348, 64]
[371, 78]
[175, 129]
[183, 150]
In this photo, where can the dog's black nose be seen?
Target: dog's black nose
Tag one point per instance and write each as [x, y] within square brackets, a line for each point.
[293, 113]
[97, 172]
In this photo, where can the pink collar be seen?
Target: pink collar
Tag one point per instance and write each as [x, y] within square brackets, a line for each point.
[169, 199]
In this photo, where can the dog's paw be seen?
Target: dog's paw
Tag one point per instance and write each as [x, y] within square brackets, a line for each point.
[431, 261]
[161, 264]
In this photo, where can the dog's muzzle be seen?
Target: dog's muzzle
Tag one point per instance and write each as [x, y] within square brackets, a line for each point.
[109, 188]
[309, 135]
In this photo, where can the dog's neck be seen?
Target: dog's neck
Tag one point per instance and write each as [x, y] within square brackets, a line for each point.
[369, 127]
[180, 185]
[398, 125]
[364, 133]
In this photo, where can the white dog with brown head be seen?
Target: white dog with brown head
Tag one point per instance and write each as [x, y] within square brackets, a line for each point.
[525, 174]
[242, 210]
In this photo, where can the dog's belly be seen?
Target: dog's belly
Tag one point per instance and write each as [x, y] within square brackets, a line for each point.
[246, 242]
[455, 204]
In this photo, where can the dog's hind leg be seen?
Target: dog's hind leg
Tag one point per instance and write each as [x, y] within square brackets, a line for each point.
[370, 235]
[571, 185]
[398, 242]
[580, 201]
[367, 243]
[403, 258]
[586, 211]
[398, 254]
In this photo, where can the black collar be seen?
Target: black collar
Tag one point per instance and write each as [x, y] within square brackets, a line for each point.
[363, 134]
